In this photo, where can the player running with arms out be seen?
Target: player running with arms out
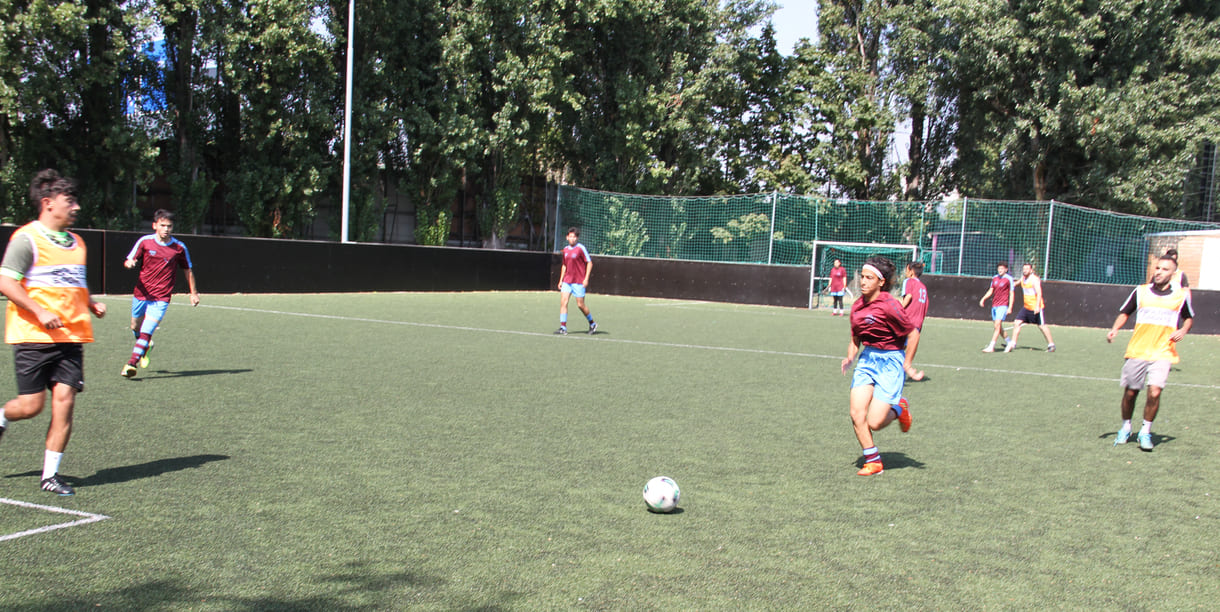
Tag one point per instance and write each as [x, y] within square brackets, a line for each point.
[879, 327]
[1032, 309]
[159, 255]
[838, 285]
[915, 300]
[47, 321]
[1000, 293]
[573, 279]
[1151, 352]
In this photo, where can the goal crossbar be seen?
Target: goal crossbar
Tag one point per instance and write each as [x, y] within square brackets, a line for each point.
[855, 246]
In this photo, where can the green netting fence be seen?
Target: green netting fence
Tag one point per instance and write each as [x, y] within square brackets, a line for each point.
[961, 236]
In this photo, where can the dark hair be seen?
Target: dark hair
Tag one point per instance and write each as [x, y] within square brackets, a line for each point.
[916, 268]
[1002, 263]
[573, 230]
[163, 214]
[885, 266]
[1168, 257]
[49, 184]
[1172, 254]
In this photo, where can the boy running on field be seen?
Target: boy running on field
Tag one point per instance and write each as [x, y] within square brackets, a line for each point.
[915, 301]
[159, 256]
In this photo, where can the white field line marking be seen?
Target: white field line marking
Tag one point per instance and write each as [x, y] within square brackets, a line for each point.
[702, 347]
[89, 518]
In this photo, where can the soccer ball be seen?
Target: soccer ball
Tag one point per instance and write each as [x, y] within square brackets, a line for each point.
[661, 494]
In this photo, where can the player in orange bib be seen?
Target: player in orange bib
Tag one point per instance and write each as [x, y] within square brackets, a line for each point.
[47, 320]
[1157, 307]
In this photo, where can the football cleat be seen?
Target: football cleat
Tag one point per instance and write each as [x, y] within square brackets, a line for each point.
[144, 360]
[872, 468]
[129, 371]
[1008, 348]
[1145, 441]
[592, 327]
[1122, 436]
[904, 419]
[562, 331]
[56, 485]
[988, 349]
[1050, 348]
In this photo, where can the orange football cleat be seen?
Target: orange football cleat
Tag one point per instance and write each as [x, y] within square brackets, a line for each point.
[871, 468]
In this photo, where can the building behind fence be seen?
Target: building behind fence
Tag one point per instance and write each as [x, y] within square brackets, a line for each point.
[958, 236]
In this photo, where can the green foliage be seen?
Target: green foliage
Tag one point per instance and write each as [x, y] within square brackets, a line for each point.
[625, 231]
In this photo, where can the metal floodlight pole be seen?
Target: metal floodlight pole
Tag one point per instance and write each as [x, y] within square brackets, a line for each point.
[347, 124]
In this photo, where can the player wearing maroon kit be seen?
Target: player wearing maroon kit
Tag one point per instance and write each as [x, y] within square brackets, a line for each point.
[915, 301]
[159, 256]
[573, 278]
[1000, 293]
[838, 284]
[879, 326]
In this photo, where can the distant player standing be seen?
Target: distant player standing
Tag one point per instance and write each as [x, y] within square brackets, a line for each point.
[1157, 307]
[1000, 293]
[159, 256]
[47, 321]
[573, 279]
[879, 326]
[915, 301]
[1032, 308]
[838, 285]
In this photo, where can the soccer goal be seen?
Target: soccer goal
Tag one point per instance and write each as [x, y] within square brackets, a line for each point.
[852, 255]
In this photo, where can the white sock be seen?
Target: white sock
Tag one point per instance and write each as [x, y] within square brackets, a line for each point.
[1146, 428]
[50, 464]
[1126, 425]
[3, 421]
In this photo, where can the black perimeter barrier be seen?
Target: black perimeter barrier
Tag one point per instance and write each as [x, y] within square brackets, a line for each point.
[260, 265]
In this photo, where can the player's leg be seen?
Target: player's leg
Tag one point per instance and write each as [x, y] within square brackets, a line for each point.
[153, 315]
[68, 375]
[63, 399]
[564, 295]
[578, 291]
[1131, 380]
[1016, 332]
[861, 399]
[1158, 375]
[997, 318]
[908, 365]
[1046, 332]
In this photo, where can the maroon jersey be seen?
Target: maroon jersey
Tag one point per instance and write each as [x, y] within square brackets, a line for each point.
[838, 279]
[576, 259]
[1001, 290]
[158, 265]
[917, 309]
[881, 323]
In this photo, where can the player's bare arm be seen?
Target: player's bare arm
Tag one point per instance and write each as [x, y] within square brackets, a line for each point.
[1119, 321]
[190, 281]
[853, 348]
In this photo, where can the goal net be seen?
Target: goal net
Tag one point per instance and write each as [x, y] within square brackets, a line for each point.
[852, 256]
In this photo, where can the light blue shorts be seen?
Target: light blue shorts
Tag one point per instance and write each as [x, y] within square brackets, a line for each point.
[575, 289]
[883, 370]
[152, 312]
[999, 313]
[836, 293]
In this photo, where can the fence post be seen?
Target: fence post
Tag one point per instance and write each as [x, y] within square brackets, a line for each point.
[771, 235]
[1050, 226]
[961, 239]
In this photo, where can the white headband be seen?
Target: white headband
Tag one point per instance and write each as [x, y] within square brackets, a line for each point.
[874, 270]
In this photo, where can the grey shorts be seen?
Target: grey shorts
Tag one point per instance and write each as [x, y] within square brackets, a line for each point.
[1137, 373]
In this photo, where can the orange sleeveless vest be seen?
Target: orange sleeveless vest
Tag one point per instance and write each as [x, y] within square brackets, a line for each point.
[56, 280]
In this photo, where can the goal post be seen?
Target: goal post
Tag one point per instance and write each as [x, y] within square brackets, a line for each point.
[852, 255]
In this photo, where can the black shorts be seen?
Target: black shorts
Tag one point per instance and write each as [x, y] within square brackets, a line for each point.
[39, 366]
[1026, 315]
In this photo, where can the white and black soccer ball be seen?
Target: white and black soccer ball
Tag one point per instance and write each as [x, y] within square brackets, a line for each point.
[661, 494]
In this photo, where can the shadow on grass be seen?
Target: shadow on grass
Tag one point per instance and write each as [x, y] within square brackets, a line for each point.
[133, 472]
[186, 373]
[355, 586]
[895, 461]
